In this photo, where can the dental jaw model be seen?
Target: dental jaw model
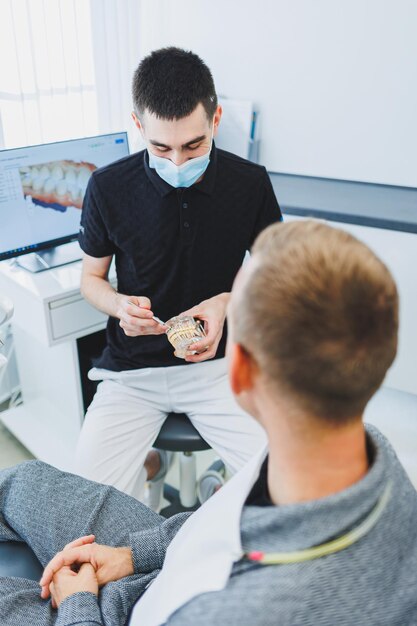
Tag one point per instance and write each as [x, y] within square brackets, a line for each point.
[57, 184]
[183, 332]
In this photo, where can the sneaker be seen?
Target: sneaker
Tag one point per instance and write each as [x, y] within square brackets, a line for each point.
[211, 480]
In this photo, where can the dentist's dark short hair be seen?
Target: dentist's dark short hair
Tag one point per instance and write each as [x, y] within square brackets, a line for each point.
[171, 82]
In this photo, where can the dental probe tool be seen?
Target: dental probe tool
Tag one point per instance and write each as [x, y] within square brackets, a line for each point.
[159, 321]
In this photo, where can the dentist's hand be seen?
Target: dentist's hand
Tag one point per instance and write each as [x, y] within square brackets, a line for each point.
[135, 315]
[213, 313]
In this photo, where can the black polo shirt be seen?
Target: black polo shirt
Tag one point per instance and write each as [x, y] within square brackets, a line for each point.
[175, 246]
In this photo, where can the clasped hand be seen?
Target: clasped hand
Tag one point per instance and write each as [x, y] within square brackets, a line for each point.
[84, 565]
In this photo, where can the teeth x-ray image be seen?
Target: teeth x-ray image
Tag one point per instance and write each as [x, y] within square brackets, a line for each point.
[57, 184]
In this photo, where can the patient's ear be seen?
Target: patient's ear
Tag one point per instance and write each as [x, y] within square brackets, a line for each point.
[242, 369]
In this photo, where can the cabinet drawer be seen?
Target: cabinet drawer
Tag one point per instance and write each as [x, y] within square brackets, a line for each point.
[73, 316]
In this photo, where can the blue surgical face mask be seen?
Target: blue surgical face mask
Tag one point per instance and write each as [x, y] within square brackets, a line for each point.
[183, 175]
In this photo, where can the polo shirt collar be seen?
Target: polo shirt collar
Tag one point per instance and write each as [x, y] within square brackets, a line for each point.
[205, 186]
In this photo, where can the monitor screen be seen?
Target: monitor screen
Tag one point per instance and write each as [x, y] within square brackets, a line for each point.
[42, 190]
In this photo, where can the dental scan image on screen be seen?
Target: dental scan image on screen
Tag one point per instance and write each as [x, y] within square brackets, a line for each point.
[42, 189]
[57, 185]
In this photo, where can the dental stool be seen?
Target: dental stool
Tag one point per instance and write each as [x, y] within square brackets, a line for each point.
[17, 559]
[179, 435]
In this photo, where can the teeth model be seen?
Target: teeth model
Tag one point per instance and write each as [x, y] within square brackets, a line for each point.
[58, 184]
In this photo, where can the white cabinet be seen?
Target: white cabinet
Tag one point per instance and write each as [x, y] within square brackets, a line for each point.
[65, 315]
[50, 315]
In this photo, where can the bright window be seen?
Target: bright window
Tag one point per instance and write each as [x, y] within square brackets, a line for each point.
[47, 80]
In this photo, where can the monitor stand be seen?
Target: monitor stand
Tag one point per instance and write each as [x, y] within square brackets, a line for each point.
[53, 257]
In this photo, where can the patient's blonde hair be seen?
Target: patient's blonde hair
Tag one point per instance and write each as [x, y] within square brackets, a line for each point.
[318, 312]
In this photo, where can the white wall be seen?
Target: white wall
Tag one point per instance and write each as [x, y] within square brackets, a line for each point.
[335, 80]
[399, 252]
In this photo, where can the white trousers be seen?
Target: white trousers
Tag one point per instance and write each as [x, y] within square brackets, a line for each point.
[129, 408]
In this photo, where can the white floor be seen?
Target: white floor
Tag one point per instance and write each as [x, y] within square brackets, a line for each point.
[11, 450]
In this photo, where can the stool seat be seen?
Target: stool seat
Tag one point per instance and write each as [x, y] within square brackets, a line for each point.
[179, 435]
[17, 559]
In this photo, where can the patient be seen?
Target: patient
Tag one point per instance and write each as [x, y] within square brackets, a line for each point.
[320, 529]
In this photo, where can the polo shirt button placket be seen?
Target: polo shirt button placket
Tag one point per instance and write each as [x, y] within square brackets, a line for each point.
[186, 224]
[185, 220]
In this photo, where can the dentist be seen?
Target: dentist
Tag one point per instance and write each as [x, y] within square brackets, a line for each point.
[178, 218]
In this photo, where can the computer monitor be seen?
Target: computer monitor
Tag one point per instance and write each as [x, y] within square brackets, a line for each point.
[41, 193]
